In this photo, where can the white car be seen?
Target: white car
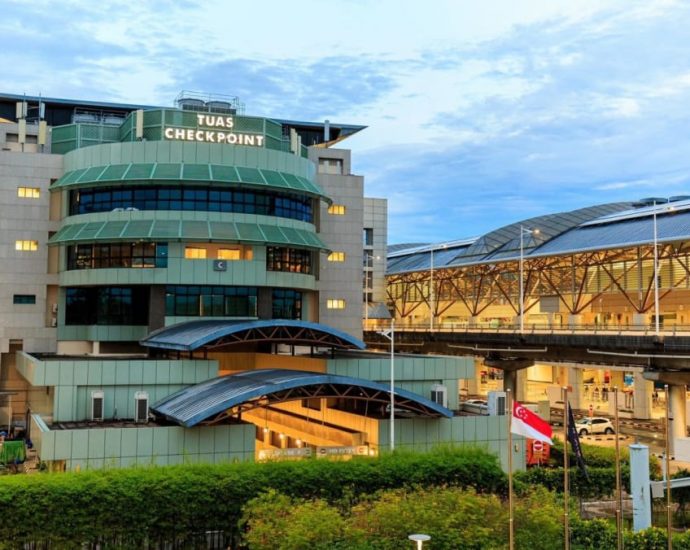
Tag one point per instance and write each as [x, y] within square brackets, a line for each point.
[477, 406]
[596, 425]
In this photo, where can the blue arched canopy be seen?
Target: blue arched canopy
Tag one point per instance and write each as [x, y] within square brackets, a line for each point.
[193, 335]
[227, 395]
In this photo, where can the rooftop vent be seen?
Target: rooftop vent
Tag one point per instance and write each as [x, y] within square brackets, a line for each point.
[191, 104]
[209, 103]
[223, 107]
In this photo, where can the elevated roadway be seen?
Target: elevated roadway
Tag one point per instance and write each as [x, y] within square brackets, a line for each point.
[510, 349]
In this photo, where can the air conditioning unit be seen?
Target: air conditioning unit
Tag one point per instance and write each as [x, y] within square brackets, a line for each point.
[439, 395]
[53, 322]
[54, 308]
[141, 407]
[497, 403]
[97, 398]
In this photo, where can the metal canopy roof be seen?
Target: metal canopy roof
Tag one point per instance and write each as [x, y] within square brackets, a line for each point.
[504, 243]
[630, 231]
[215, 399]
[207, 174]
[217, 333]
[186, 230]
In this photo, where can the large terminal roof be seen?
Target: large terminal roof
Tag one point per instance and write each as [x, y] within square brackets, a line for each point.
[601, 227]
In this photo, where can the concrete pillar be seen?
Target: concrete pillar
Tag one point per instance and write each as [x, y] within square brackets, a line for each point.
[574, 321]
[575, 383]
[265, 305]
[677, 425]
[520, 390]
[639, 321]
[156, 307]
[642, 395]
[510, 382]
[473, 381]
[639, 487]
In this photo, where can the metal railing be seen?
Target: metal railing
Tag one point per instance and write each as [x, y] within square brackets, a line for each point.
[542, 328]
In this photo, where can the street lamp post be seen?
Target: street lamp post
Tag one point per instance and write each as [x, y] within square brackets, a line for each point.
[431, 292]
[419, 539]
[390, 334]
[656, 276]
[523, 230]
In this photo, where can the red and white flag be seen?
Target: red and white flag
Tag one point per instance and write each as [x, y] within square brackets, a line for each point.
[528, 424]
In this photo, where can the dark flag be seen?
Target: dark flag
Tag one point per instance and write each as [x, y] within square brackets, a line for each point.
[574, 439]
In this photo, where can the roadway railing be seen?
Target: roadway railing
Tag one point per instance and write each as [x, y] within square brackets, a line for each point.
[536, 328]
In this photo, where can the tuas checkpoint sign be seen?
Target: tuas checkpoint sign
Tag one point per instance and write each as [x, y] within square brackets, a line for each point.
[214, 129]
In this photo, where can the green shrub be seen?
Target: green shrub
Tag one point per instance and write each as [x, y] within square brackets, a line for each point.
[273, 521]
[593, 534]
[160, 503]
[453, 517]
[601, 482]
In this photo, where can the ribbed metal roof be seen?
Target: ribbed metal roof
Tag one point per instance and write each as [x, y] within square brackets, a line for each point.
[630, 231]
[186, 230]
[163, 173]
[504, 243]
[195, 334]
[194, 404]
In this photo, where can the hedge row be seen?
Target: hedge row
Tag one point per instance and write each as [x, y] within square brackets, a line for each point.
[136, 505]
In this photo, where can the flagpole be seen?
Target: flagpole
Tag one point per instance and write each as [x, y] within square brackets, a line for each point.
[566, 519]
[511, 531]
[619, 492]
[669, 523]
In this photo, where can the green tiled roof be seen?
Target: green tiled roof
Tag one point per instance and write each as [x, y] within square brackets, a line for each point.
[127, 174]
[185, 230]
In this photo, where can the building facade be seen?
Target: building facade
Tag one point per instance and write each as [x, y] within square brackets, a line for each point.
[148, 250]
[610, 269]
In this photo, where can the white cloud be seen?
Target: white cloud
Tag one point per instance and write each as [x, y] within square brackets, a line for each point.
[556, 104]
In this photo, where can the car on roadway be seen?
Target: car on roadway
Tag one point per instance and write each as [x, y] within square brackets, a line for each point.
[594, 425]
[477, 406]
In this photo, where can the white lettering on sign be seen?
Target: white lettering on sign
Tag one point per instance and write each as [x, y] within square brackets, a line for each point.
[213, 121]
[213, 136]
[214, 129]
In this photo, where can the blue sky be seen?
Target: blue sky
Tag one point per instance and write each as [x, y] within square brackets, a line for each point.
[477, 115]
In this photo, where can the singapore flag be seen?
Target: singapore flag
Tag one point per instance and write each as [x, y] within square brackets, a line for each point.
[528, 424]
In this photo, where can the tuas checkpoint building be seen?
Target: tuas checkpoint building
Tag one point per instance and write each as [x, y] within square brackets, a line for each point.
[184, 284]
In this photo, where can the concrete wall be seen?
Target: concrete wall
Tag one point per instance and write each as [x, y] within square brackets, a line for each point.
[26, 271]
[423, 434]
[342, 233]
[413, 373]
[74, 380]
[376, 218]
[233, 362]
[143, 446]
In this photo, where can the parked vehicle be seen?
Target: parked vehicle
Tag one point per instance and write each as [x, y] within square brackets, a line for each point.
[596, 425]
[477, 406]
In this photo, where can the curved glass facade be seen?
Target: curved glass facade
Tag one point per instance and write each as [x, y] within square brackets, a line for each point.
[210, 301]
[191, 198]
[112, 305]
[107, 255]
[292, 260]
